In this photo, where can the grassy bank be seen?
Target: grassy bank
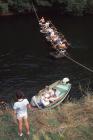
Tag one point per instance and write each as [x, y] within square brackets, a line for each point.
[69, 121]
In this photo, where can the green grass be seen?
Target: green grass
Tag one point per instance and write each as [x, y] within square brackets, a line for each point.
[69, 121]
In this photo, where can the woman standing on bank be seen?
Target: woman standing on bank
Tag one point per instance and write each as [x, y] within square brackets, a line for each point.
[20, 109]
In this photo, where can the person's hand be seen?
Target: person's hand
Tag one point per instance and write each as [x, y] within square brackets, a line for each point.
[33, 109]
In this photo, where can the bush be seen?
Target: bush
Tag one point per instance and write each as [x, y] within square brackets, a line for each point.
[4, 8]
[90, 6]
[76, 7]
[19, 5]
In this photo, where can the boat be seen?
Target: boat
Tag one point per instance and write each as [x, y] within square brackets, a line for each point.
[58, 54]
[64, 89]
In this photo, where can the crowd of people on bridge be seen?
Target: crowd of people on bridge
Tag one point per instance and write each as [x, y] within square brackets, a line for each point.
[57, 39]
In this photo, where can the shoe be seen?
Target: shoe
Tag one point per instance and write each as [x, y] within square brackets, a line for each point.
[20, 134]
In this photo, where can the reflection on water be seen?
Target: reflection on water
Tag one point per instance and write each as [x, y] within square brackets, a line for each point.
[24, 55]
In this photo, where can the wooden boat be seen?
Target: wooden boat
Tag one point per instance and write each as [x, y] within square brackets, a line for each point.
[63, 88]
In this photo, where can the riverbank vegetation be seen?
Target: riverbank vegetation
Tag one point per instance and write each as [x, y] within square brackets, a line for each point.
[71, 120]
[74, 7]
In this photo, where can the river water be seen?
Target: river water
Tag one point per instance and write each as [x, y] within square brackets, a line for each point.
[24, 54]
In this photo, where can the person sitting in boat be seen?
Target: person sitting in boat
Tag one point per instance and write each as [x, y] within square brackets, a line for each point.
[46, 25]
[47, 98]
[45, 28]
[49, 31]
[67, 44]
[50, 36]
[56, 92]
[62, 45]
[56, 41]
[54, 37]
[54, 96]
[44, 101]
[42, 21]
[40, 101]
[48, 92]
[51, 94]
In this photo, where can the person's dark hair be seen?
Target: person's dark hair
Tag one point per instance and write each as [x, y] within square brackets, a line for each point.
[19, 94]
[46, 87]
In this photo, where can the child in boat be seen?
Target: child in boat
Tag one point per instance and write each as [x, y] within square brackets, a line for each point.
[46, 97]
[54, 96]
[46, 25]
[51, 95]
[20, 110]
[44, 101]
[49, 31]
[48, 92]
[64, 45]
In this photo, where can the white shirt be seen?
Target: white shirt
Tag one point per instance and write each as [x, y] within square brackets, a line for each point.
[55, 38]
[45, 101]
[21, 107]
[49, 30]
[47, 24]
[42, 20]
[51, 92]
[52, 34]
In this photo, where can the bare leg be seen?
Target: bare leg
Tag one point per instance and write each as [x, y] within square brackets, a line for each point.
[19, 126]
[27, 126]
[52, 99]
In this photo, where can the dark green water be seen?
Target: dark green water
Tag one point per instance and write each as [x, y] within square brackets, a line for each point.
[24, 54]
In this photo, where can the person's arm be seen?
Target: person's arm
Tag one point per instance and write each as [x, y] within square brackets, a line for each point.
[29, 106]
